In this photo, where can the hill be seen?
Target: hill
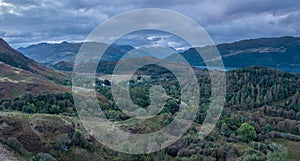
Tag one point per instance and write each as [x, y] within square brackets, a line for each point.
[20, 74]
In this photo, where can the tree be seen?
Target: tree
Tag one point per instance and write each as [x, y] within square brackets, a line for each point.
[246, 132]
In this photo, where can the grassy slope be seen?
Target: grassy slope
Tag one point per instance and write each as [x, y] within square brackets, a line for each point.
[293, 149]
[38, 133]
[15, 82]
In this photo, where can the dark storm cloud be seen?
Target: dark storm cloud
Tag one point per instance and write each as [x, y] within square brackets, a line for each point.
[44, 22]
[31, 21]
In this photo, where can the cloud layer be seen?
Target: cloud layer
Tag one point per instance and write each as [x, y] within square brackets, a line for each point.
[32, 21]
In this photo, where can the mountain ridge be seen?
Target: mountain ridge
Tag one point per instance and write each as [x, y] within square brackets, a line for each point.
[51, 54]
[278, 51]
[267, 51]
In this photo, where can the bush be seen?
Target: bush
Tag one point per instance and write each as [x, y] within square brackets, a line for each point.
[172, 151]
[225, 130]
[91, 147]
[62, 142]
[27, 109]
[13, 143]
[54, 109]
[268, 128]
[43, 157]
[77, 138]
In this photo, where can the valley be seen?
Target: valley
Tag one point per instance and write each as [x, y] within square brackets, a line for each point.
[36, 106]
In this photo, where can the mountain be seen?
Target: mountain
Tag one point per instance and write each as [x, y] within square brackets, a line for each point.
[281, 52]
[20, 74]
[51, 54]
[274, 52]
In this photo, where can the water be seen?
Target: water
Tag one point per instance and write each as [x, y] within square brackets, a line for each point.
[295, 69]
[289, 69]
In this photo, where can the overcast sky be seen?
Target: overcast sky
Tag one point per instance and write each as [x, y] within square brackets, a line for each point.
[24, 22]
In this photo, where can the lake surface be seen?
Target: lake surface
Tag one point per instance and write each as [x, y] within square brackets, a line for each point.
[295, 69]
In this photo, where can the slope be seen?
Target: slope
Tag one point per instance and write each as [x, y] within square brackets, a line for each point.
[20, 74]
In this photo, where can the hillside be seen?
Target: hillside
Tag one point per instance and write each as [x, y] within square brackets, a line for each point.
[281, 52]
[16, 59]
[20, 74]
[264, 100]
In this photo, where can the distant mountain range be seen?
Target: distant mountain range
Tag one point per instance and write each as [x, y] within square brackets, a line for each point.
[20, 74]
[280, 52]
[272, 52]
[51, 54]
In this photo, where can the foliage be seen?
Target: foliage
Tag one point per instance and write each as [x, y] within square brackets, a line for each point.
[47, 103]
[28, 109]
[278, 153]
[172, 151]
[250, 157]
[247, 132]
[43, 157]
[13, 143]
[79, 140]
[261, 105]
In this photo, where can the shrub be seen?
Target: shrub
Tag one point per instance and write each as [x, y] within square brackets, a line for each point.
[91, 147]
[225, 130]
[268, 128]
[77, 138]
[13, 143]
[172, 151]
[62, 142]
[54, 109]
[27, 109]
[43, 157]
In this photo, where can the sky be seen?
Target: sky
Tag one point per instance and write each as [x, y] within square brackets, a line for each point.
[25, 22]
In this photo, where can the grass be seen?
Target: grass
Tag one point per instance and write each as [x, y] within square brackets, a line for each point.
[293, 149]
[242, 146]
